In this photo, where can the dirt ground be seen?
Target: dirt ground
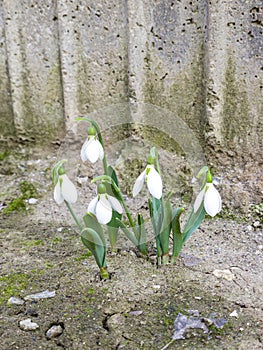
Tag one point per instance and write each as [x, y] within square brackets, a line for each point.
[218, 274]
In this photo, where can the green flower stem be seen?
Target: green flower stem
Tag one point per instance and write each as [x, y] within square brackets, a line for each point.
[74, 216]
[163, 239]
[118, 191]
[96, 126]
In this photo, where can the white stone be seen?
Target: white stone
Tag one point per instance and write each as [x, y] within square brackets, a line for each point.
[226, 274]
[234, 314]
[32, 201]
[15, 301]
[28, 325]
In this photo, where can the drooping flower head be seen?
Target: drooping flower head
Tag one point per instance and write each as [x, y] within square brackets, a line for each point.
[64, 189]
[92, 149]
[101, 206]
[209, 196]
[152, 178]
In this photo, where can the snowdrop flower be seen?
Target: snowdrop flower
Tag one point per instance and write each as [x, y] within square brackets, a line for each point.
[153, 180]
[101, 206]
[65, 189]
[92, 149]
[210, 197]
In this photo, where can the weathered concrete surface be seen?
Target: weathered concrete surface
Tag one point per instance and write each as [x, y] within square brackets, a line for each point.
[235, 72]
[7, 127]
[93, 42]
[34, 68]
[201, 60]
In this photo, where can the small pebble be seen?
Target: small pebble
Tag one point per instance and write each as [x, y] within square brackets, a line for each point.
[54, 331]
[136, 312]
[226, 274]
[42, 295]
[234, 314]
[32, 201]
[28, 325]
[156, 286]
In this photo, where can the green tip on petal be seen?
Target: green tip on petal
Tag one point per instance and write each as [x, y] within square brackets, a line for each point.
[101, 189]
[91, 131]
[209, 177]
[150, 160]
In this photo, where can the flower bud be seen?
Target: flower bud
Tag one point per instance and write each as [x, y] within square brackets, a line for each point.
[91, 131]
[101, 189]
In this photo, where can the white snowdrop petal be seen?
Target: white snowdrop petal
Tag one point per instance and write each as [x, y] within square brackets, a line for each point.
[116, 205]
[154, 183]
[212, 200]
[138, 183]
[68, 189]
[92, 205]
[103, 210]
[92, 151]
[199, 200]
[59, 199]
[83, 155]
[100, 149]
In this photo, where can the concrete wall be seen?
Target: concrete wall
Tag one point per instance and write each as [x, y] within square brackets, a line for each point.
[200, 59]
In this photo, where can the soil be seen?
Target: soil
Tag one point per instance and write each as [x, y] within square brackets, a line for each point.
[135, 308]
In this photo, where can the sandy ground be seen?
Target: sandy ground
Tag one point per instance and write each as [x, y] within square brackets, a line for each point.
[218, 274]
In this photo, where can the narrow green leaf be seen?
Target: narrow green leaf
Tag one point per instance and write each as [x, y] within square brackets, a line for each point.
[91, 221]
[202, 171]
[166, 227]
[177, 234]
[91, 239]
[153, 152]
[113, 175]
[156, 231]
[113, 228]
[193, 222]
[130, 235]
[142, 235]
[55, 170]
[157, 213]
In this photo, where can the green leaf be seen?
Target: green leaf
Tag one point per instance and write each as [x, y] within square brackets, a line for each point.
[157, 213]
[55, 170]
[202, 171]
[153, 152]
[113, 225]
[177, 234]
[193, 222]
[113, 228]
[142, 235]
[156, 230]
[166, 227]
[91, 239]
[113, 175]
[91, 221]
[130, 235]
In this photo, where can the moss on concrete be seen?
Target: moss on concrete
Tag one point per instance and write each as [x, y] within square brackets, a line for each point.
[185, 96]
[236, 112]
